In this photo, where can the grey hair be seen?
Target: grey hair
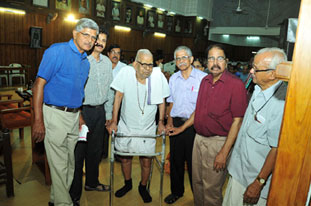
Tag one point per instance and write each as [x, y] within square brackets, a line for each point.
[142, 52]
[187, 49]
[278, 56]
[86, 23]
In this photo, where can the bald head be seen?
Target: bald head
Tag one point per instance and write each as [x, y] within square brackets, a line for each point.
[143, 52]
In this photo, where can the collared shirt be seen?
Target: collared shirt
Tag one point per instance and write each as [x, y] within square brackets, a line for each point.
[258, 135]
[97, 88]
[65, 70]
[218, 103]
[184, 93]
[117, 68]
[132, 121]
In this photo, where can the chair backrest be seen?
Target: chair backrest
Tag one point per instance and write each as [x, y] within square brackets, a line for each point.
[15, 65]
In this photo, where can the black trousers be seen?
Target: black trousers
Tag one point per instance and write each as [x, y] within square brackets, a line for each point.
[90, 151]
[180, 152]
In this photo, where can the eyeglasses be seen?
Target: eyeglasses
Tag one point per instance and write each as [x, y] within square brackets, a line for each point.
[88, 36]
[146, 66]
[219, 59]
[183, 58]
[261, 70]
[114, 52]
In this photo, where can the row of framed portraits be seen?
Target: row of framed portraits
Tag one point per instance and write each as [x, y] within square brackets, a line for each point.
[125, 12]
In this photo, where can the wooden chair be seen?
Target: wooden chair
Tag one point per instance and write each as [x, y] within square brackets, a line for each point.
[14, 115]
[6, 171]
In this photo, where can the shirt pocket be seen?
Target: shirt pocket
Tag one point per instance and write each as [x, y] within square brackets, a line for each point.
[193, 96]
[258, 132]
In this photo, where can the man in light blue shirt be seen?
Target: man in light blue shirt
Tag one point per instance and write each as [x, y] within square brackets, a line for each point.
[184, 88]
[253, 157]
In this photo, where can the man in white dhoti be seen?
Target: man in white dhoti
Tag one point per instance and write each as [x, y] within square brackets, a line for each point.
[141, 90]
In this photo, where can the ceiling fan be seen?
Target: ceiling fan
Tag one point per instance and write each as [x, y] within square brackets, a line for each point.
[239, 10]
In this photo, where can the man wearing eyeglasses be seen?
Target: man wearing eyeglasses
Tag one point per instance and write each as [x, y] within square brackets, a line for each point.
[57, 97]
[184, 87]
[253, 156]
[219, 112]
[96, 113]
[141, 90]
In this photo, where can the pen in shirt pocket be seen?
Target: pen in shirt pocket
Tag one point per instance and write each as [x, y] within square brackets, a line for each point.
[192, 89]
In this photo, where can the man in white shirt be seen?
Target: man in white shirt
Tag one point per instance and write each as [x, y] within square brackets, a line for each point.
[141, 90]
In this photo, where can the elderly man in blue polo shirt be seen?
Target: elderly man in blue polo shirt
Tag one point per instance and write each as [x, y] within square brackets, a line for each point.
[57, 96]
[184, 88]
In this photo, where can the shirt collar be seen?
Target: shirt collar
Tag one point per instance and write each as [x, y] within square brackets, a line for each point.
[270, 91]
[92, 58]
[75, 49]
[222, 78]
[192, 74]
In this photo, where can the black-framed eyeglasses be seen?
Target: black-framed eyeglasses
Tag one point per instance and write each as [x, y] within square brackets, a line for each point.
[88, 36]
[183, 58]
[260, 70]
[219, 59]
[145, 65]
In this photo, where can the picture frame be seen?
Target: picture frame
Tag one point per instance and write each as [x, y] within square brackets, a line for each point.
[35, 37]
[189, 25]
[84, 6]
[115, 11]
[100, 8]
[63, 5]
[178, 25]
[42, 3]
[160, 21]
[140, 16]
[151, 19]
[169, 23]
[128, 17]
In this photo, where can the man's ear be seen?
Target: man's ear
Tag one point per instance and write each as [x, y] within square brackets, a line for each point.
[134, 64]
[273, 75]
[191, 60]
[74, 34]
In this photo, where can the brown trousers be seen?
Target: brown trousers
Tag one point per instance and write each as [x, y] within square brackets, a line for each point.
[207, 183]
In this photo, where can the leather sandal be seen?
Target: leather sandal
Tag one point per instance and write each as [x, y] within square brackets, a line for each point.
[170, 199]
[100, 188]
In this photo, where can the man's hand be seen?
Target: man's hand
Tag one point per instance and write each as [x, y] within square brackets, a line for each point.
[38, 131]
[220, 161]
[112, 127]
[175, 131]
[81, 121]
[252, 193]
[161, 127]
[108, 122]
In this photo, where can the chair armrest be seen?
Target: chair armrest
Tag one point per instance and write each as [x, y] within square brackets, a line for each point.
[20, 109]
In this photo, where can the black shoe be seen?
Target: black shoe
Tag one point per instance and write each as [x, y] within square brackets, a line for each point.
[144, 193]
[170, 199]
[51, 204]
[127, 187]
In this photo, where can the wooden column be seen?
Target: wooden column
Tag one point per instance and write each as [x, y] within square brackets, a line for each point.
[291, 176]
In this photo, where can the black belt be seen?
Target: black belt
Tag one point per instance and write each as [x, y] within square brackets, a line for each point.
[66, 109]
[181, 119]
[95, 107]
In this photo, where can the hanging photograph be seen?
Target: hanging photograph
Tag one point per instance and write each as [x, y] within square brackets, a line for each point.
[63, 4]
[128, 15]
[178, 25]
[160, 23]
[169, 23]
[100, 8]
[35, 37]
[115, 11]
[84, 6]
[151, 19]
[43, 3]
[140, 18]
[188, 26]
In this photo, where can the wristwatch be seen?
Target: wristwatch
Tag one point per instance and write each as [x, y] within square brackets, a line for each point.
[261, 180]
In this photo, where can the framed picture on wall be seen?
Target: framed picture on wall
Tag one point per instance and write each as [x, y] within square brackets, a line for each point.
[84, 6]
[151, 19]
[43, 3]
[100, 8]
[140, 17]
[128, 15]
[115, 11]
[35, 37]
[63, 4]
[178, 25]
[169, 23]
[188, 26]
[160, 22]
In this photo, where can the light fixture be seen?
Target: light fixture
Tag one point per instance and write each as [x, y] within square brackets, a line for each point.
[148, 5]
[158, 34]
[160, 9]
[10, 10]
[171, 13]
[225, 35]
[200, 17]
[253, 38]
[71, 18]
[122, 28]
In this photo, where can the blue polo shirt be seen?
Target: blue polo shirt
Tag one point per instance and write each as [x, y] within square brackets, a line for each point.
[65, 70]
